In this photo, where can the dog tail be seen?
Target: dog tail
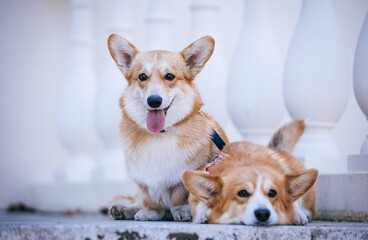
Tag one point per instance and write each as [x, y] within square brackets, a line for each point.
[287, 136]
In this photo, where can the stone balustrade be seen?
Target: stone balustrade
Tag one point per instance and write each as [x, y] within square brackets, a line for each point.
[250, 96]
[316, 84]
[77, 100]
[360, 162]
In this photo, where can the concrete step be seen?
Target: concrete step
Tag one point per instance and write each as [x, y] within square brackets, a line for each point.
[97, 227]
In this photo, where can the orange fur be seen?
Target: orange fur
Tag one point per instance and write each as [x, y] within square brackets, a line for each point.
[156, 161]
[244, 166]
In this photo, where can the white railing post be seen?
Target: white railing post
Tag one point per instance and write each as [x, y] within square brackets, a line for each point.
[211, 81]
[316, 84]
[111, 165]
[121, 13]
[159, 25]
[255, 76]
[360, 162]
[76, 117]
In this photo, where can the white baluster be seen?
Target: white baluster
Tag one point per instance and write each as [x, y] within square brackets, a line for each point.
[121, 14]
[255, 77]
[360, 162]
[159, 24]
[205, 16]
[316, 84]
[76, 117]
[111, 165]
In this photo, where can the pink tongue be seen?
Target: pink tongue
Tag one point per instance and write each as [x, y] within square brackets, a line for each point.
[155, 120]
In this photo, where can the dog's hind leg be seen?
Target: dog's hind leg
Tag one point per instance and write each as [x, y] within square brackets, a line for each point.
[180, 209]
[124, 208]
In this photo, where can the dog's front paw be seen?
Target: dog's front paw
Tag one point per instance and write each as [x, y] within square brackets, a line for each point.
[122, 209]
[301, 216]
[308, 214]
[148, 215]
[181, 213]
[116, 213]
[201, 220]
[202, 213]
[122, 213]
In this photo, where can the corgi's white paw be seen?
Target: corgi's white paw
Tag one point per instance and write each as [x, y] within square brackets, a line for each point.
[201, 220]
[301, 215]
[300, 218]
[148, 215]
[181, 213]
[308, 214]
[202, 213]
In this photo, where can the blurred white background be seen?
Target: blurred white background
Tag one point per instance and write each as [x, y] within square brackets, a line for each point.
[34, 55]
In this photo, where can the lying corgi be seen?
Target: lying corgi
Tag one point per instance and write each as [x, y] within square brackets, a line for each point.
[163, 129]
[253, 184]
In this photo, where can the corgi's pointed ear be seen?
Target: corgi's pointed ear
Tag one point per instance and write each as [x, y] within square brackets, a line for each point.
[299, 183]
[202, 185]
[287, 136]
[122, 51]
[197, 54]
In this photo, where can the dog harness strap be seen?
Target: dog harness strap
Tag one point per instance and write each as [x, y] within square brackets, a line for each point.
[217, 140]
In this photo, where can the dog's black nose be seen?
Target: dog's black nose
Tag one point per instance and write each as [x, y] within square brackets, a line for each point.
[154, 101]
[262, 214]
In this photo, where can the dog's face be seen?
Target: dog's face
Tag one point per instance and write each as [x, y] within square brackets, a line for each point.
[251, 195]
[160, 90]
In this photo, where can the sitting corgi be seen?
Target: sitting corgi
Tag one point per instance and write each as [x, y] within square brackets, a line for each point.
[163, 130]
[255, 185]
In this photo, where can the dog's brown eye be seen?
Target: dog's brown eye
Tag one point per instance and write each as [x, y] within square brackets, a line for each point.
[143, 77]
[169, 77]
[272, 193]
[243, 193]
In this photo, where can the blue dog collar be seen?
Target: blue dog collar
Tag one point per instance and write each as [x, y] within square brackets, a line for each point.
[217, 140]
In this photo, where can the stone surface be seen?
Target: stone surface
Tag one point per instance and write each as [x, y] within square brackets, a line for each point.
[343, 196]
[84, 227]
[358, 163]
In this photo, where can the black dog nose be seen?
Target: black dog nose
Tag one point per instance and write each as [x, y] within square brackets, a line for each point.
[262, 214]
[154, 101]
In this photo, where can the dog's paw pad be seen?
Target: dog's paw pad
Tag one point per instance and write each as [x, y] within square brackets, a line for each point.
[148, 215]
[181, 213]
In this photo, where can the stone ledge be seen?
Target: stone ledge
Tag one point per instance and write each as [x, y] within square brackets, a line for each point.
[46, 226]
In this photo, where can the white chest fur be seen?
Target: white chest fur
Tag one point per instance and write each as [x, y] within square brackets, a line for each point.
[158, 162]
